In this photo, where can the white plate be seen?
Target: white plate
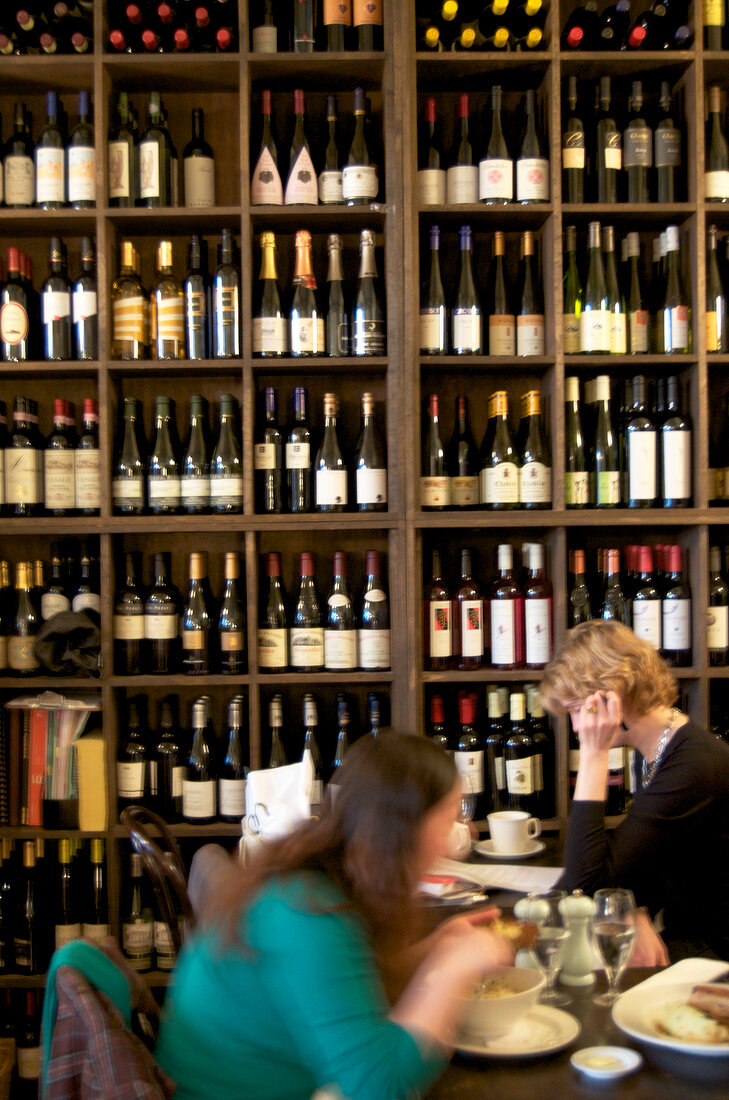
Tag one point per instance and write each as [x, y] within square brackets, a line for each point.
[636, 1012]
[486, 848]
[606, 1063]
[542, 1030]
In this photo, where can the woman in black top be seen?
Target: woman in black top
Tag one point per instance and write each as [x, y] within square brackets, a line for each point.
[672, 847]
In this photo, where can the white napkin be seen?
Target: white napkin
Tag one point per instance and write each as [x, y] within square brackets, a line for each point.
[277, 799]
[697, 971]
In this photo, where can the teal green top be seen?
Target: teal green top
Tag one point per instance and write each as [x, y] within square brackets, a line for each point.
[300, 1007]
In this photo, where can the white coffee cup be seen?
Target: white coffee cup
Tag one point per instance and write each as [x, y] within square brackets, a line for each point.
[511, 831]
[459, 841]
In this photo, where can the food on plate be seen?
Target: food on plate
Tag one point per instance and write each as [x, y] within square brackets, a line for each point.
[713, 1000]
[521, 934]
[682, 1021]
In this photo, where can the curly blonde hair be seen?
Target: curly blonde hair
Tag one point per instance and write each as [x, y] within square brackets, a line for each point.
[604, 655]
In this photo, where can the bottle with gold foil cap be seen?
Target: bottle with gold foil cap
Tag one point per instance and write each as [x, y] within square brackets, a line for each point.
[5, 601]
[530, 307]
[535, 476]
[166, 309]
[24, 626]
[499, 476]
[129, 308]
[307, 329]
[270, 329]
[502, 323]
[196, 619]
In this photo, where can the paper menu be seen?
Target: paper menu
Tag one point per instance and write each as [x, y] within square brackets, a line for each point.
[525, 880]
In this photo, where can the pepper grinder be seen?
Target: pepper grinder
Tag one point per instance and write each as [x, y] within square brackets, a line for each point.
[578, 964]
[532, 909]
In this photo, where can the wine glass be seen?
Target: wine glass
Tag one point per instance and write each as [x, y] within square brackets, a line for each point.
[552, 936]
[467, 808]
[613, 936]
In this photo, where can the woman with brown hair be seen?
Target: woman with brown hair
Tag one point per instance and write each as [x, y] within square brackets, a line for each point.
[283, 990]
[672, 847]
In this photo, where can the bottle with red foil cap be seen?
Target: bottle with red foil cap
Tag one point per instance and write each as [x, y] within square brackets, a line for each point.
[14, 313]
[506, 613]
[468, 756]
[676, 612]
[373, 636]
[438, 733]
[60, 497]
[273, 636]
[646, 604]
[87, 464]
[462, 174]
[266, 180]
[431, 174]
[582, 27]
[306, 634]
[302, 182]
[340, 635]
[468, 618]
[181, 40]
[437, 621]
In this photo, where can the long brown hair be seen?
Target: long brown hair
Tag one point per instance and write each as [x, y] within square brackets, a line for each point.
[365, 841]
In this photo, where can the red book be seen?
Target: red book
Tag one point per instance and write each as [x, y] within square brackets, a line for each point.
[37, 765]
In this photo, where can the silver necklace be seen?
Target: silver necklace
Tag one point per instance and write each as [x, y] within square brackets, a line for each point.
[649, 770]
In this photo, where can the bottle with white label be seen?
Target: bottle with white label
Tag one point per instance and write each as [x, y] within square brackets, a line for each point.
[506, 607]
[264, 35]
[468, 756]
[122, 154]
[306, 319]
[605, 488]
[54, 598]
[433, 310]
[573, 148]
[468, 618]
[535, 474]
[646, 603]
[167, 765]
[530, 325]
[496, 168]
[519, 758]
[129, 471]
[155, 158]
[163, 471]
[95, 925]
[198, 165]
[129, 622]
[675, 450]
[196, 620]
[306, 634]
[87, 595]
[330, 177]
[532, 166]
[301, 182]
[466, 318]
[81, 159]
[595, 316]
[462, 174]
[572, 295]
[330, 471]
[199, 787]
[340, 634]
[137, 919]
[717, 630]
[500, 310]
[538, 624]
[676, 612]
[311, 722]
[360, 184]
[498, 460]
[370, 464]
[641, 451]
[131, 760]
[268, 459]
[226, 465]
[55, 300]
[18, 163]
[226, 301]
[50, 160]
[431, 172]
[273, 638]
[162, 620]
[84, 305]
[167, 309]
[637, 314]
[67, 916]
[298, 455]
[373, 635]
[716, 174]
[232, 775]
[59, 480]
[24, 461]
[437, 620]
[266, 186]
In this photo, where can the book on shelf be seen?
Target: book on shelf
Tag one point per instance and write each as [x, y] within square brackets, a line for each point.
[93, 804]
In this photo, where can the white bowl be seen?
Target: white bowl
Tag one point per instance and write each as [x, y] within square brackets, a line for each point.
[491, 1017]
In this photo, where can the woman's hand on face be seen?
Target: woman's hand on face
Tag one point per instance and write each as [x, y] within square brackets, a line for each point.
[600, 718]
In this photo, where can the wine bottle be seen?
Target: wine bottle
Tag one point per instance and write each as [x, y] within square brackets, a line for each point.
[50, 160]
[129, 471]
[232, 775]
[337, 18]
[438, 734]
[658, 291]
[277, 757]
[502, 321]
[646, 603]
[311, 721]
[462, 175]
[264, 34]
[162, 620]
[301, 182]
[155, 158]
[675, 311]
[434, 482]
[676, 612]
[538, 616]
[231, 620]
[303, 26]
[84, 305]
[506, 613]
[28, 930]
[340, 634]
[196, 620]
[268, 460]
[226, 302]
[519, 758]
[298, 456]
[580, 608]
[331, 177]
[19, 163]
[717, 335]
[367, 21]
[496, 168]
[369, 462]
[666, 150]
[54, 598]
[616, 306]
[137, 920]
[272, 626]
[129, 622]
[132, 783]
[433, 312]
[499, 472]
[637, 313]
[532, 166]
[270, 327]
[195, 291]
[266, 187]
[595, 319]
[198, 165]
[637, 147]
[129, 307]
[716, 174]
[360, 184]
[462, 460]
[60, 497]
[535, 474]
[329, 468]
[368, 322]
[573, 148]
[306, 322]
[81, 159]
[530, 299]
[164, 947]
[437, 621]
[337, 319]
[226, 466]
[717, 631]
[675, 450]
[167, 309]
[199, 787]
[342, 743]
[468, 755]
[15, 314]
[608, 153]
[95, 925]
[66, 918]
[581, 28]
[605, 480]
[24, 626]
[431, 173]
[122, 157]
[614, 604]
[714, 22]
[24, 462]
[641, 450]
[306, 634]
[163, 470]
[577, 477]
[56, 305]
[466, 319]
[87, 462]
[468, 641]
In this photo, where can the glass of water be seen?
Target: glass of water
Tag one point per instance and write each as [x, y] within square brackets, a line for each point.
[613, 936]
[552, 936]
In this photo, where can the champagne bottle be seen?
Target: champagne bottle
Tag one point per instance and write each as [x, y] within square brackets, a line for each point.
[199, 787]
[468, 618]
[132, 780]
[232, 776]
[666, 150]
[226, 466]
[675, 450]
[434, 482]
[573, 149]
[496, 168]
[268, 460]
[616, 306]
[716, 173]
[506, 608]
[370, 464]
[195, 620]
[462, 460]
[137, 919]
[433, 312]
[266, 187]
[368, 321]
[306, 635]
[270, 329]
[530, 298]
[198, 165]
[360, 184]
[226, 302]
[337, 319]
[129, 307]
[532, 166]
[331, 176]
[717, 633]
[272, 626]
[466, 319]
[50, 160]
[595, 320]
[162, 620]
[437, 621]
[577, 478]
[431, 172]
[24, 626]
[535, 474]
[717, 335]
[298, 456]
[499, 474]
[605, 477]
[676, 612]
[340, 634]
[676, 311]
[329, 468]
[163, 471]
[463, 175]
[306, 322]
[608, 153]
[637, 148]
[155, 158]
[301, 182]
[122, 154]
[56, 305]
[580, 608]
[641, 451]
[231, 621]
[129, 472]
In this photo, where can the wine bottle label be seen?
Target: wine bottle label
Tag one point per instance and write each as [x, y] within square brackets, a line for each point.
[307, 335]
[127, 490]
[130, 778]
[435, 492]
[469, 766]
[129, 625]
[13, 323]
[371, 486]
[500, 485]
[161, 626]
[440, 628]
[530, 334]
[374, 649]
[22, 475]
[59, 479]
[86, 601]
[716, 184]
[637, 147]
[198, 798]
[84, 305]
[29, 1063]
[19, 181]
[81, 173]
[612, 151]
[137, 941]
[676, 455]
[232, 797]
[55, 305]
[149, 170]
[340, 650]
[307, 646]
[302, 186]
[676, 624]
[678, 337]
[359, 181]
[466, 324]
[195, 491]
[194, 640]
[369, 336]
[338, 12]
[462, 184]
[616, 761]
[264, 456]
[50, 184]
[608, 488]
[178, 775]
[231, 641]
[298, 456]
[496, 179]
[594, 331]
[571, 333]
[21, 657]
[265, 39]
[717, 628]
[266, 185]
[163, 946]
[500, 773]
[502, 334]
[199, 173]
[532, 179]
[272, 647]
[95, 932]
[577, 488]
[331, 186]
[130, 319]
[169, 319]
[226, 492]
[641, 465]
[53, 603]
[432, 186]
[152, 777]
[65, 933]
[464, 491]
[163, 490]
[573, 149]
[538, 768]
[538, 631]
[3, 662]
[667, 147]
[618, 334]
[638, 322]
[331, 487]
[712, 331]
[647, 621]
[120, 176]
[503, 631]
[471, 628]
[433, 330]
[367, 13]
[520, 776]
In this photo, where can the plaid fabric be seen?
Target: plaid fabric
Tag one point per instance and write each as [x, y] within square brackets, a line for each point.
[93, 1054]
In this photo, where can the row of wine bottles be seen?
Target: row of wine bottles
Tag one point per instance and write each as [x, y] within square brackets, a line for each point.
[662, 26]
[48, 27]
[170, 27]
[59, 169]
[495, 26]
[61, 320]
[308, 25]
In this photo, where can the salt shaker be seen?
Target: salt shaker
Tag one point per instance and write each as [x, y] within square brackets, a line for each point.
[577, 966]
[529, 908]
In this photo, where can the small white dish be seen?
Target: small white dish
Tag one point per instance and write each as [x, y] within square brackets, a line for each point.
[542, 1030]
[486, 848]
[606, 1063]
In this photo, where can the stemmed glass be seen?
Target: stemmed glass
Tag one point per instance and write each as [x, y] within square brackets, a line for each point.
[613, 936]
[552, 935]
[468, 807]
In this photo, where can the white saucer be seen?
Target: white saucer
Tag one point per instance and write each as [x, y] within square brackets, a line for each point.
[542, 1030]
[486, 848]
[606, 1063]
